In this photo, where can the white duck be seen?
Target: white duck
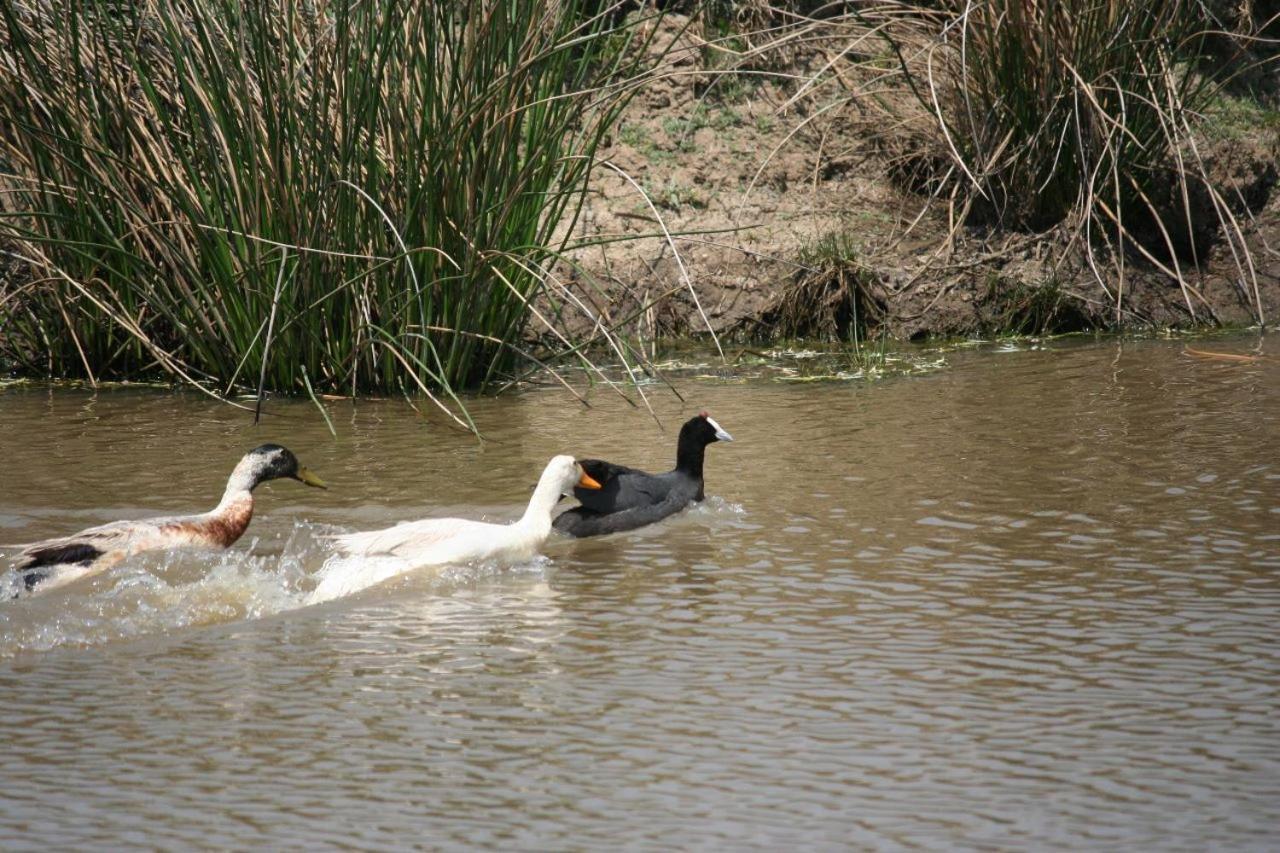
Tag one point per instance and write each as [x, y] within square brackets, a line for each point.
[376, 555]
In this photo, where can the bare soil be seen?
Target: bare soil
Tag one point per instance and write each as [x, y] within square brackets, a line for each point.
[786, 223]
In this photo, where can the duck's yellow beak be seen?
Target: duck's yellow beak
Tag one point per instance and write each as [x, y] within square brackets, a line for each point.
[587, 482]
[310, 479]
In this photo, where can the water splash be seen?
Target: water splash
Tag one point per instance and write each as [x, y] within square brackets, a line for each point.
[344, 576]
[165, 591]
[159, 592]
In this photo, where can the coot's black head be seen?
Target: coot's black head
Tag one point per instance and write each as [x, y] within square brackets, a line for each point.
[695, 435]
[702, 430]
[273, 462]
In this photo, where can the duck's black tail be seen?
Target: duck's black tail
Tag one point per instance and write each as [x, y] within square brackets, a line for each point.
[27, 582]
[76, 553]
[53, 566]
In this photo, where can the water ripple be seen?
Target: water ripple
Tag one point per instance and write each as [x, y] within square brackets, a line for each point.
[1025, 602]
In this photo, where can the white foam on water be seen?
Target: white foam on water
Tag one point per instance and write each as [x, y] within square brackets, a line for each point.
[158, 592]
[165, 591]
[344, 576]
[717, 507]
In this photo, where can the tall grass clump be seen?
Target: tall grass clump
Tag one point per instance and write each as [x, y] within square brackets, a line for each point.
[1075, 113]
[1050, 106]
[285, 194]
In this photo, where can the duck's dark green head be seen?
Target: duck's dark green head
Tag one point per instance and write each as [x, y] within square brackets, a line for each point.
[273, 462]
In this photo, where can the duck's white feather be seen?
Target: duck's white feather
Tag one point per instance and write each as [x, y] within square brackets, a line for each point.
[376, 555]
[443, 540]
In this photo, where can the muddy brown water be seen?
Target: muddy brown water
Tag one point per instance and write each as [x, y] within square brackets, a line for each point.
[1029, 600]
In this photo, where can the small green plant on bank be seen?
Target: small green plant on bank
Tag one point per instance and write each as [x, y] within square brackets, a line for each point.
[633, 135]
[1033, 309]
[680, 129]
[359, 196]
[638, 138]
[831, 251]
[867, 356]
[830, 295]
[1233, 117]
[840, 253]
[735, 88]
[672, 195]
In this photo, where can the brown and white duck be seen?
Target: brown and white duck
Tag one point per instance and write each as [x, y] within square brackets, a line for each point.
[56, 562]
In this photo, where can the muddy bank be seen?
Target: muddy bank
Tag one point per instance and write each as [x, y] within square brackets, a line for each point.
[787, 221]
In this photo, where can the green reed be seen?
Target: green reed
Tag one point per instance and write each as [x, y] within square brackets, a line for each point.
[328, 195]
[1054, 106]
[1077, 115]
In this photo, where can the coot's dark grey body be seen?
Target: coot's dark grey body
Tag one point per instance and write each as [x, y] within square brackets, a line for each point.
[629, 498]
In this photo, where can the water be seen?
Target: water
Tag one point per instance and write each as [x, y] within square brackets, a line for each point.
[1026, 600]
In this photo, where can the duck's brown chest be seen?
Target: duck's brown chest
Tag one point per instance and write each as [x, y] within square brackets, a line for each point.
[222, 528]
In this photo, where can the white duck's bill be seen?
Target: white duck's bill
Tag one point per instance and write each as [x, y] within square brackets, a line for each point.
[721, 435]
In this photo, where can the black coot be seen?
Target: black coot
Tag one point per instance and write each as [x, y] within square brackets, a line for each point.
[629, 498]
